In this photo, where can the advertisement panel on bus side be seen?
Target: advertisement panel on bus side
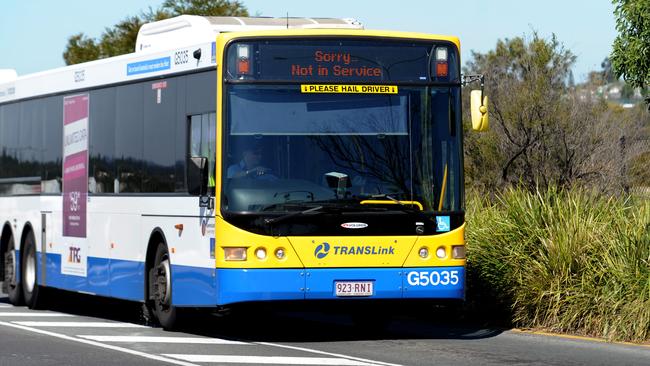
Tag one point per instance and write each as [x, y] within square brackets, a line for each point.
[75, 183]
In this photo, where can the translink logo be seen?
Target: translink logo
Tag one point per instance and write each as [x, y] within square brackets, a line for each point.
[322, 250]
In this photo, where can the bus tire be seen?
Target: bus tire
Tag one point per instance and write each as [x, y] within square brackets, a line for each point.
[161, 279]
[10, 276]
[29, 274]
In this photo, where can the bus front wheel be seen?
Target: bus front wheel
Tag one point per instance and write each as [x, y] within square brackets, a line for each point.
[10, 278]
[161, 289]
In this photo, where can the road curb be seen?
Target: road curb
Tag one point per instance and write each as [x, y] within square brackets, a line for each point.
[577, 337]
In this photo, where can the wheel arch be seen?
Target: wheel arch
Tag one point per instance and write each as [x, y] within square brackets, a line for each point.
[7, 232]
[27, 229]
[156, 237]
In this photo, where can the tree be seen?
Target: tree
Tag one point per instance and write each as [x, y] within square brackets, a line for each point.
[206, 7]
[80, 49]
[120, 39]
[608, 74]
[542, 134]
[631, 50]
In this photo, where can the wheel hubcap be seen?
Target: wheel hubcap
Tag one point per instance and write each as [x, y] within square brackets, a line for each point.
[30, 271]
[163, 284]
[10, 268]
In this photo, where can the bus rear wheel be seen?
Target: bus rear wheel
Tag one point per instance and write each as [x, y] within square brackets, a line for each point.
[31, 289]
[10, 278]
[161, 289]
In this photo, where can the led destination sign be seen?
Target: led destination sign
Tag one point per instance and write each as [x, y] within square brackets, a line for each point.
[336, 64]
[344, 60]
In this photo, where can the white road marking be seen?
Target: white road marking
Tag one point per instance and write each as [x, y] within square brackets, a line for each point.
[101, 345]
[35, 315]
[146, 339]
[275, 360]
[338, 359]
[79, 324]
[371, 362]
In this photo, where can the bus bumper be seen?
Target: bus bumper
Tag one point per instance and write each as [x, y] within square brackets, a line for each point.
[242, 285]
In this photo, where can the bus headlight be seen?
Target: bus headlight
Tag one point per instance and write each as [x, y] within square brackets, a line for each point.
[260, 253]
[458, 252]
[235, 253]
[441, 252]
[424, 252]
[279, 253]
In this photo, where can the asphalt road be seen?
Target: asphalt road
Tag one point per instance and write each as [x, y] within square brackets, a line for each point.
[84, 330]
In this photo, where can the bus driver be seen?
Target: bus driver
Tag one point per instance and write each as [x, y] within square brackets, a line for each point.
[250, 165]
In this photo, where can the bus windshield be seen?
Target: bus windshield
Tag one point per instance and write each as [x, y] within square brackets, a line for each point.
[284, 148]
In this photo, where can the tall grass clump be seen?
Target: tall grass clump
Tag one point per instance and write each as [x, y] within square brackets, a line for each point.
[563, 260]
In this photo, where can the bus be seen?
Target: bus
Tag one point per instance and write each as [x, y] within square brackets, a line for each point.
[235, 160]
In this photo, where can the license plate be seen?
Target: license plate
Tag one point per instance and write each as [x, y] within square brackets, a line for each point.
[353, 288]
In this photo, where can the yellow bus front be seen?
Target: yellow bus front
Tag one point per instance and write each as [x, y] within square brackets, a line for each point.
[339, 172]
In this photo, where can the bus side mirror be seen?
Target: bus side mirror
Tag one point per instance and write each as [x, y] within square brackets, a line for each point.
[479, 110]
[197, 176]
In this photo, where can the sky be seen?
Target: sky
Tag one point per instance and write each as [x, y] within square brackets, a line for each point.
[34, 33]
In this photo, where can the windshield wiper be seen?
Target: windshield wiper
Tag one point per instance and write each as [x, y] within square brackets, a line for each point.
[390, 196]
[352, 204]
[406, 204]
[290, 215]
[297, 205]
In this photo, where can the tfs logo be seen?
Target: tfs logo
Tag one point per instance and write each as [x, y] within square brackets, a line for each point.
[75, 255]
[322, 250]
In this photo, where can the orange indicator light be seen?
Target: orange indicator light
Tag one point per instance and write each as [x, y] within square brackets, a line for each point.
[243, 66]
[442, 69]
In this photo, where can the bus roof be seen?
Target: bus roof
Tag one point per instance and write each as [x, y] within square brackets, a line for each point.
[174, 32]
[181, 44]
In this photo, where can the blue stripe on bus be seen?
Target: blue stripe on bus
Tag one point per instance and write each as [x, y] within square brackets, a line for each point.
[123, 279]
[126, 279]
[387, 282]
[441, 282]
[195, 286]
[391, 283]
[240, 285]
[18, 260]
[116, 278]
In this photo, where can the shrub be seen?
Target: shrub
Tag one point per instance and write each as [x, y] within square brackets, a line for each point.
[563, 260]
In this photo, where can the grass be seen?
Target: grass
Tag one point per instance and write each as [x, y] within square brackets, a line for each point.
[562, 260]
